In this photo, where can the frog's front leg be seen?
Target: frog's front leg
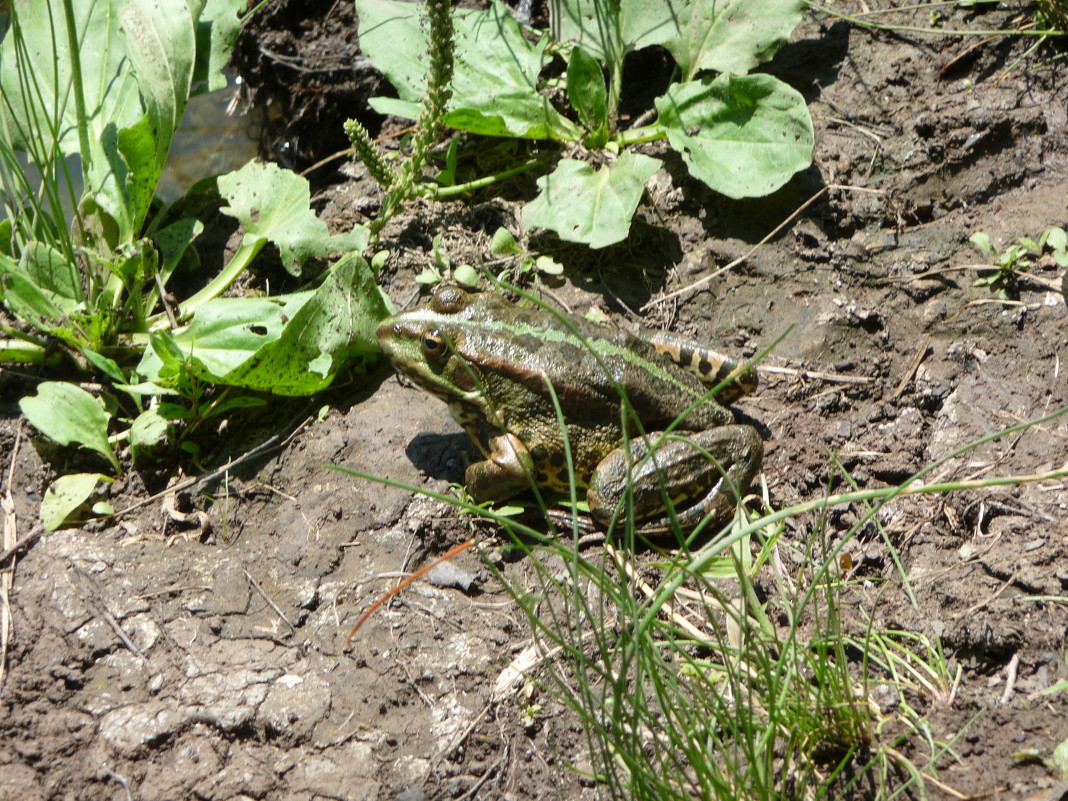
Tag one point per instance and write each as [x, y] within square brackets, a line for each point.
[506, 470]
[703, 473]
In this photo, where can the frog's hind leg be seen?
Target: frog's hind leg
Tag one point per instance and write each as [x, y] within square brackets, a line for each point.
[704, 475]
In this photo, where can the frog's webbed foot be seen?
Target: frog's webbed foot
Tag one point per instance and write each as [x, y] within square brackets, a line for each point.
[507, 470]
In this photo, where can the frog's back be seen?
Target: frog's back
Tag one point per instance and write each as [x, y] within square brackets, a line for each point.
[588, 363]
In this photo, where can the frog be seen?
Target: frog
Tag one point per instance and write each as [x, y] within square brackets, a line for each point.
[506, 369]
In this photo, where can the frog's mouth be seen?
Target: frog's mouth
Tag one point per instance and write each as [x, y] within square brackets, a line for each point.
[401, 341]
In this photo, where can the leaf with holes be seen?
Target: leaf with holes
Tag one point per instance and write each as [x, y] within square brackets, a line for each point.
[582, 204]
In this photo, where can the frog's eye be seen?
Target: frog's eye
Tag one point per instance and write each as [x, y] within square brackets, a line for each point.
[434, 346]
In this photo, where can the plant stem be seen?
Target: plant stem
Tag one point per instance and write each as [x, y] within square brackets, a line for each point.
[439, 192]
[431, 120]
[647, 133]
[17, 351]
[219, 284]
[79, 92]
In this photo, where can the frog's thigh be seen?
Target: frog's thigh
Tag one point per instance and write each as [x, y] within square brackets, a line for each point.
[505, 472]
[706, 486]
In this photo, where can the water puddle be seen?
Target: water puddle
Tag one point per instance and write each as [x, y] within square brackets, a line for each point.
[208, 142]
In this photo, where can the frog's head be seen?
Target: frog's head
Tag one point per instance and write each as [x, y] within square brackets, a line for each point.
[437, 345]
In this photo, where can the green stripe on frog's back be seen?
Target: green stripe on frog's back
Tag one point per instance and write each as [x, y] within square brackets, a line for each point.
[710, 367]
[544, 328]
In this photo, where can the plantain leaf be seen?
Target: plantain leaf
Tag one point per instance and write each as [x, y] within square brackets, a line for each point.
[273, 205]
[743, 136]
[289, 345]
[495, 79]
[66, 495]
[591, 206]
[588, 95]
[733, 36]
[67, 413]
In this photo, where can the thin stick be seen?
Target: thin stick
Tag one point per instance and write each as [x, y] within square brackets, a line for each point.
[667, 608]
[473, 792]
[914, 365]
[1010, 679]
[96, 600]
[834, 378]
[270, 603]
[7, 578]
[702, 281]
[458, 549]
[971, 610]
[19, 545]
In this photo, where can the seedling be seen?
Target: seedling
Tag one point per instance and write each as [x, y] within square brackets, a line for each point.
[504, 244]
[442, 269]
[1016, 258]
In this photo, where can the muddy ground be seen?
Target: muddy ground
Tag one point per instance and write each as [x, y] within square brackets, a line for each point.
[146, 662]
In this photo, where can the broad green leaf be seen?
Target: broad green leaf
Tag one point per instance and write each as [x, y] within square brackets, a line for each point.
[217, 28]
[982, 241]
[495, 76]
[393, 37]
[174, 242]
[609, 36]
[42, 288]
[273, 205]
[223, 334]
[405, 109]
[288, 345]
[547, 265]
[67, 413]
[733, 36]
[107, 366]
[1058, 761]
[495, 83]
[66, 495]
[24, 298]
[160, 40]
[588, 94]
[53, 273]
[502, 243]
[592, 206]
[149, 430]
[742, 136]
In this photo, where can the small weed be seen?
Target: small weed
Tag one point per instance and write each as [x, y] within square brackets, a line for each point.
[442, 270]
[504, 244]
[1006, 265]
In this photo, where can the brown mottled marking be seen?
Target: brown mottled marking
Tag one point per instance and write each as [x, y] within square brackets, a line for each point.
[708, 365]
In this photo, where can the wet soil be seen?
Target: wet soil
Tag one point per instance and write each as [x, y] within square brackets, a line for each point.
[162, 660]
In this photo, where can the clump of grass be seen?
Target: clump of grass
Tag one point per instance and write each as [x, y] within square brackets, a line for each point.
[729, 676]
